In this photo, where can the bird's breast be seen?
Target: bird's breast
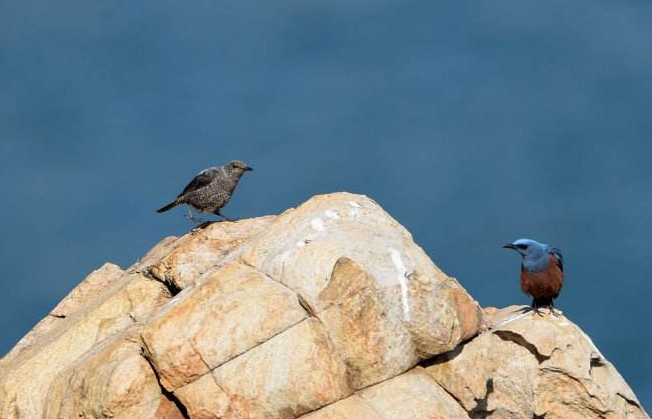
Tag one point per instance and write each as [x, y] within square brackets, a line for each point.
[543, 283]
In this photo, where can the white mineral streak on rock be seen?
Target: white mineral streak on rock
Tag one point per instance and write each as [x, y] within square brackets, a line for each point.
[332, 214]
[402, 279]
[317, 224]
[511, 319]
[354, 210]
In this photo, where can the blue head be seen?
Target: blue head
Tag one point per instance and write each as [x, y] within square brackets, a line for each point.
[536, 256]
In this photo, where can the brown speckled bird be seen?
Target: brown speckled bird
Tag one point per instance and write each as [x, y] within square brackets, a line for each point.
[211, 189]
[542, 271]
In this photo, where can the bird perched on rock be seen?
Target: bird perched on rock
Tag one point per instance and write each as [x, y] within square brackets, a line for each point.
[542, 271]
[211, 189]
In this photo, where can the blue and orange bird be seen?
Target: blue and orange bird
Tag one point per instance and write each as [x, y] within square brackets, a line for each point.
[542, 271]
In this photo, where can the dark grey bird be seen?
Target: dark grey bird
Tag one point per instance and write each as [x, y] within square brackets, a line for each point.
[211, 189]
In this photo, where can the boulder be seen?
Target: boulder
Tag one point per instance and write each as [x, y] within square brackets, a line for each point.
[534, 366]
[26, 378]
[413, 394]
[92, 287]
[327, 311]
[237, 308]
[112, 381]
[180, 262]
[407, 309]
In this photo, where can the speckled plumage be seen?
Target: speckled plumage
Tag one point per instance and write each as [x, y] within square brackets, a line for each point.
[211, 189]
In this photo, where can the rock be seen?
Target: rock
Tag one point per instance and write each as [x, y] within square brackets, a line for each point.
[350, 408]
[112, 381]
[374, 344]
[419, 310]
[182, 261]
[26, 378]
[328, 311]
[293, 373]
[234, 310]
[94, 285]
[528, 365]
[203, 398]
[411, 395]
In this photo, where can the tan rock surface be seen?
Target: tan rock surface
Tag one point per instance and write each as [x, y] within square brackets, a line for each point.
[293, 373]
[235, 309]
[322, 312]
[528, 365]
[352, 407]
[91, 288]
[203, 398]
[413, 394]
[301, 247]
[25, 380]
[112, 381]
[374, 344]
[182, 261]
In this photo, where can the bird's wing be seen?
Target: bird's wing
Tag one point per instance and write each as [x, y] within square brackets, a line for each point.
[560, 258]
[202, 179]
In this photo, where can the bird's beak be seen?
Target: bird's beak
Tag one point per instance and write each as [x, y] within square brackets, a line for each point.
[248, 169]
[509, 246]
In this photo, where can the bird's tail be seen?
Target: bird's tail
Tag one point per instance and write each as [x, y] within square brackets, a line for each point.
[169, 206]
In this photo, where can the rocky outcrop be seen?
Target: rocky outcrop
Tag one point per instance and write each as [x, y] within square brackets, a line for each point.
[329, 310]
[28, 374]
[531, 366]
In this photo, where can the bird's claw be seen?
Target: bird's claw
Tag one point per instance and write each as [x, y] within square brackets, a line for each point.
[199, 227]
[555, 312]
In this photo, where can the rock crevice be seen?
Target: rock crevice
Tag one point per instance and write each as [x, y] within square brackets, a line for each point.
[510, 336]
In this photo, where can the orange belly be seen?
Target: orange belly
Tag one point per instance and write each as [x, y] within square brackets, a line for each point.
[544, 284]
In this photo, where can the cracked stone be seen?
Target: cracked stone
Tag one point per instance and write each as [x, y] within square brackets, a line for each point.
[112, 381]
[235, 309]
[539, 366]
[322, 311]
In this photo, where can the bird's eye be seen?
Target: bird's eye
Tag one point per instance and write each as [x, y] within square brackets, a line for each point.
[522, 246]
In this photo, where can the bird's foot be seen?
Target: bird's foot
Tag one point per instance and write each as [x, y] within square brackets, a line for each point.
[555, 312]
[537, 311]
[201, 226]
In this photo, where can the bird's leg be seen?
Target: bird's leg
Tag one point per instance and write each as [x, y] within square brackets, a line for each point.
[191, 217]
[553, 311]
[535, 307]
[222, 215]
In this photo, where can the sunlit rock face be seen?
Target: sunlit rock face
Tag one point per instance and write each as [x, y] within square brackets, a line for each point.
[528, 365]
[329, 310]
